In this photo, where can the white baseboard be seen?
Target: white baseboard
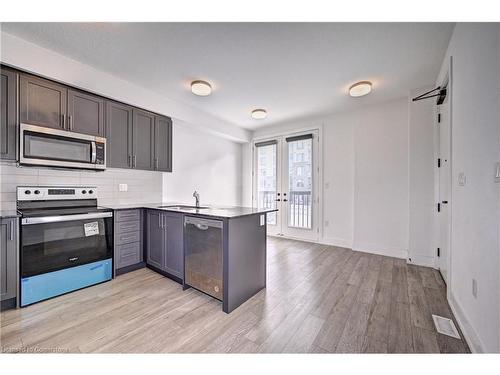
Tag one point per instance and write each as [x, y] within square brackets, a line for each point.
[389, 251]
[422, 260]
[340, 242]
[470, 334]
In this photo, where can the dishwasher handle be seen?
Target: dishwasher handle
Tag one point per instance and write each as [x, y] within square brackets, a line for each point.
[202, 224]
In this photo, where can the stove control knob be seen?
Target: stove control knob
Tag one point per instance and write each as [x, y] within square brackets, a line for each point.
[91, 191]
[37, 192]
[84, 191]
[27, 192]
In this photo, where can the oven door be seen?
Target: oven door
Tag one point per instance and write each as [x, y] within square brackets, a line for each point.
[60, 148]
[57, 242]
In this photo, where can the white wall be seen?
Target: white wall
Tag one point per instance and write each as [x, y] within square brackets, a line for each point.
[421, 171]
[475, 243]
[206, 163]
[365, 177]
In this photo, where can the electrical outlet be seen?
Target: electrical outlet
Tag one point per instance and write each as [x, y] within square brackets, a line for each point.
[122, 187]
[474, 288]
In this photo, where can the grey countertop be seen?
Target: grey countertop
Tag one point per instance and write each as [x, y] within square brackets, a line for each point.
[222, 212]
[7, 214]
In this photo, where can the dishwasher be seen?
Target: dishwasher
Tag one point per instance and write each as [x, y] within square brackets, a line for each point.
[203, 255]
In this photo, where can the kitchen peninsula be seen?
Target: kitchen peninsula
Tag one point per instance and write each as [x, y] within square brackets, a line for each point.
[219, 251]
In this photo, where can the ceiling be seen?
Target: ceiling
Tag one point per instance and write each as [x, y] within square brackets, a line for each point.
[294, 70]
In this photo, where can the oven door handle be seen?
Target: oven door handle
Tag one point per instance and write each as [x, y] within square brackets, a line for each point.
[56, 219]
[94, 152]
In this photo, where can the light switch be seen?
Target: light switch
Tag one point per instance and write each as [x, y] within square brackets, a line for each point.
[122, 187]
[462, 179]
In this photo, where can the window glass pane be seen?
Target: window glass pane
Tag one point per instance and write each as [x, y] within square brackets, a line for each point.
[266, 180]
[300, 183]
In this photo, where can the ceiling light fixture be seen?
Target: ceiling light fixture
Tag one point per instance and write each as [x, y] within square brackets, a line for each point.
[360, 89]
[259, 114]
[201, 88]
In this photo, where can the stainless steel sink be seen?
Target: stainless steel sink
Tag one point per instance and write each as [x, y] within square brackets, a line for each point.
[184, 207]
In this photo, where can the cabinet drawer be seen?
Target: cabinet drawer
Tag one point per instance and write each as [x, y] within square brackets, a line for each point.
[127, 226]
[127, 215]
[128, 254]
[128, 237]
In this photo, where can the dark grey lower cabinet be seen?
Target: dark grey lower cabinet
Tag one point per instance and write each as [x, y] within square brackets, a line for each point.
[165, 242]
[8, 259]
[128, 240]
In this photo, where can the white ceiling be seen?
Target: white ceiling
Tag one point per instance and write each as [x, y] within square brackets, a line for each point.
[294, 70]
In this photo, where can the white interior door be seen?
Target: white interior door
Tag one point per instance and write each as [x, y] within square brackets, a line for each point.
[444, 187]
[286, 176]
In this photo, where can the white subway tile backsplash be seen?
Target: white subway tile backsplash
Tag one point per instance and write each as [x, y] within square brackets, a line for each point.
[143, 186]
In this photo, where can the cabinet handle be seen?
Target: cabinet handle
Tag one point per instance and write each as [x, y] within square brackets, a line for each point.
[63, 121]
[156, 163]
[129, 161]
[70, 118]
[11, 231]
[134, 161]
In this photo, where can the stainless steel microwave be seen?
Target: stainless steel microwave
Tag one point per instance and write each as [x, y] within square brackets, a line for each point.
[59, 148]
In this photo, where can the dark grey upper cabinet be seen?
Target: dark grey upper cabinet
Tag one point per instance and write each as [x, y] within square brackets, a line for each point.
[118, 135]
[174, 257]
[42, 102]
[155, 239]
[8, 258]
[85, 113]
[8, 120]
[143, 140]
[163, 144]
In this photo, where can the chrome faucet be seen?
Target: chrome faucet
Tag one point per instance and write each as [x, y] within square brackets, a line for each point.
[197, 197]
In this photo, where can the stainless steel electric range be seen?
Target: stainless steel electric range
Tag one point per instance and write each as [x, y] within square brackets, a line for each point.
[66, 241]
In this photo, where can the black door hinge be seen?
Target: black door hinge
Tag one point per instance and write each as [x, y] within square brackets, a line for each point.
[439, 252]
[439, 162]
[439, 207]
[439, 118]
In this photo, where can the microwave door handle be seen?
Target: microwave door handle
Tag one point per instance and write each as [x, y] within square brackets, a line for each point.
[94, 152]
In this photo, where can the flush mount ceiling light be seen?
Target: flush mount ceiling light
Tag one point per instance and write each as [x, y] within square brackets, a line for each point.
[360, 89]
[259, 114]
[201, 88]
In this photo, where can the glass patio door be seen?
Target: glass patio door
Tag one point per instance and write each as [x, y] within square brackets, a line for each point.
[286, 174]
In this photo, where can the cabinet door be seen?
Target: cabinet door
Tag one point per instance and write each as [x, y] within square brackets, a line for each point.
[155, 239]
[118, 135]
[143, 140]
[8, 120]
[174, 258]
[85, 113]
[163, 144]
[8, 260]
[42, 102]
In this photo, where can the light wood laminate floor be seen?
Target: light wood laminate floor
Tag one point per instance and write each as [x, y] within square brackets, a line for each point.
[319, 299]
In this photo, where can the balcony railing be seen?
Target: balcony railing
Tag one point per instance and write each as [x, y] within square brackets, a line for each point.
[299, 208]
